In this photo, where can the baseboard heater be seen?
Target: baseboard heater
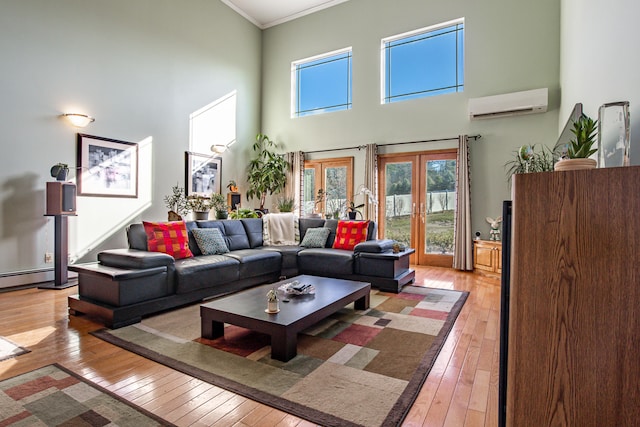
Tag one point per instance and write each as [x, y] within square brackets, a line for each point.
[28, 277]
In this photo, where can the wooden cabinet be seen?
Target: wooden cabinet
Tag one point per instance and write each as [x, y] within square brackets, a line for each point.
[487, 257]
[574, 317]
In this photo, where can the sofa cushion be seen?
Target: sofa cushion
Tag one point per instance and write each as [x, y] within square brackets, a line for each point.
[315, 237]
[289, 266]
[235, 235]
[256, 262]
[210, 241]
[136, 237]
[253, 228]
[326, 262]
[307, 223]
[205, 271]
[350, 233]
[170, 238]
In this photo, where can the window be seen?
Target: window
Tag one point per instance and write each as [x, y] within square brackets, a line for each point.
[335, 178]
[423, 62]
[321, 84]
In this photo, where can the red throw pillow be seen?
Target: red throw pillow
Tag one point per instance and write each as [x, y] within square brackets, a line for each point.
[168, 237]
[350, 233]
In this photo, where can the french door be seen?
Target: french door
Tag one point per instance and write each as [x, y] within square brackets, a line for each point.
[417, 196]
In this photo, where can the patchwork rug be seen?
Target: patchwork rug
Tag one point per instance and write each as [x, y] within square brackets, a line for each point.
[355, 368]
[9, 349]
[54, 396]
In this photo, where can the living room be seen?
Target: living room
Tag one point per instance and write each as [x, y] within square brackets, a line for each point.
[141, 68]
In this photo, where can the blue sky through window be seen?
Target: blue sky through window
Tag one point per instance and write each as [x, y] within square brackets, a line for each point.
[323, 84]
[428, 63]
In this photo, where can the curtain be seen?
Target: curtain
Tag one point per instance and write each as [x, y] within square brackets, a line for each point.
[463, 244]
[295, 175]
[370, 210]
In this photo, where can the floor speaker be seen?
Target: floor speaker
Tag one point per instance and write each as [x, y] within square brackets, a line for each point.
[61, 198]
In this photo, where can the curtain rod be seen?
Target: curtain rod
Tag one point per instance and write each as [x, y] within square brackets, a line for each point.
[361, 147]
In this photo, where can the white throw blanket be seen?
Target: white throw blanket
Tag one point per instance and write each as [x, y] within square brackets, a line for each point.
[279, 229]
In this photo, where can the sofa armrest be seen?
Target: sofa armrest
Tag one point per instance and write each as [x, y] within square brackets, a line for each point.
[374, 246]
[134, 258]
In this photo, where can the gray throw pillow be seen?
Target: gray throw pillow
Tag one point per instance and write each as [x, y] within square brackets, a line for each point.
[210, 241]
[315, 237]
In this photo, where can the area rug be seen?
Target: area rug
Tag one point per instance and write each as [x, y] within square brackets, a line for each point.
[9, 349]
[355, 368]
[54, 396]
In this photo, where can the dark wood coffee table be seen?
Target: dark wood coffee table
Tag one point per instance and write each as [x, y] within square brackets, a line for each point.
[247, 309]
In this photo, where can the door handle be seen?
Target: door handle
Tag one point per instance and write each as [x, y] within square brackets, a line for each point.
[422, 212]
[413, 210]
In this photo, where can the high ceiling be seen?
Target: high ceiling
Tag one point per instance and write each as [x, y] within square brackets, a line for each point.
[267, 13]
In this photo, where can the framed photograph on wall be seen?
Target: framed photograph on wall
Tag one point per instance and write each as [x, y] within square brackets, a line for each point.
[107, 167]
[202, 174]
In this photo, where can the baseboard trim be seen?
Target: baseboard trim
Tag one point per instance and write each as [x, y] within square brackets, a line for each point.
[32, 277]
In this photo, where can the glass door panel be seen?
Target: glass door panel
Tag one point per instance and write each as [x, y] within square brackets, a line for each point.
[417, 203]
[439, 210]
[335, 179]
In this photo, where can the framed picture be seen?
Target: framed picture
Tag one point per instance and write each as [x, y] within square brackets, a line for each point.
[202, 174]
[107, 167]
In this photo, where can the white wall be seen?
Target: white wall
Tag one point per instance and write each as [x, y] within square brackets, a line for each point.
[510, 46]
[140, 67]
[600, 59]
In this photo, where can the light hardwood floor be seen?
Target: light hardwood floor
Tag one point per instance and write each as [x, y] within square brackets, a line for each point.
[461, 390]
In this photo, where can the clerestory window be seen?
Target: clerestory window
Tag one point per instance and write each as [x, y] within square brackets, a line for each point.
[321, 84]
[424, 62]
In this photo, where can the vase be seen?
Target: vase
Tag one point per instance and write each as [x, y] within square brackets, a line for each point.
[222, 214]
[574, 164]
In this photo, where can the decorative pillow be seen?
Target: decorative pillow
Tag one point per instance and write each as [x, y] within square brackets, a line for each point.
[210, 241]
[170, 238]
[350, 233]
[315, 237]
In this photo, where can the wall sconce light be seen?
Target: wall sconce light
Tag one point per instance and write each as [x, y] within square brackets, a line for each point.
[218, 148]
[78, 120]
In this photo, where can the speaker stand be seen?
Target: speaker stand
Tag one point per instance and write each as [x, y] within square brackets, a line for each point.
[61, 255]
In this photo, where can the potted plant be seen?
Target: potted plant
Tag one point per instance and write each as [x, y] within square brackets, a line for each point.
[219, 205]
[267, 172]
[528, 159]
[286, 204]
[232, 186]
[272, 301]
[60, 171]
[580, 148]
[353, 209]
[176, 202]
[243, 213]
[200, 207]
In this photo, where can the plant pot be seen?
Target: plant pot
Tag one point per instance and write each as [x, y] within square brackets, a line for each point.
[200, 215]
[172, 216]
[272, 307]
[222, 214]
[574, 164]
[352, 215]
[59, 172]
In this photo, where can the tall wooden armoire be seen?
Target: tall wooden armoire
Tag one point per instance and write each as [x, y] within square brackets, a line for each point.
[574, 305]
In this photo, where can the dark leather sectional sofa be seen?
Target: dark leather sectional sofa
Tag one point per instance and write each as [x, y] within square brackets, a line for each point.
[126, 284]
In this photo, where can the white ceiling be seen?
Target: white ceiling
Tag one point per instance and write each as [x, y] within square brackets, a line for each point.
[267, 13]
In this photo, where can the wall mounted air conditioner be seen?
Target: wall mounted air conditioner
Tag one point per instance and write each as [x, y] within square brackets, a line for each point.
[509, 104]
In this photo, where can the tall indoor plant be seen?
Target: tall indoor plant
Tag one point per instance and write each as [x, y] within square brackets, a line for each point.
[267, 172]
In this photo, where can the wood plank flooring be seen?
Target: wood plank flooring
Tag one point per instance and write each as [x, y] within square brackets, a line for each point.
[461, 390]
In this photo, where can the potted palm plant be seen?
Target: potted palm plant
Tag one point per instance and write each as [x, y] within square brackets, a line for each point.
[267, 172]
[580, 148]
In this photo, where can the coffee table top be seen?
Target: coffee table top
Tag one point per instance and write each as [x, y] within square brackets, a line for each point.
[251, 303]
